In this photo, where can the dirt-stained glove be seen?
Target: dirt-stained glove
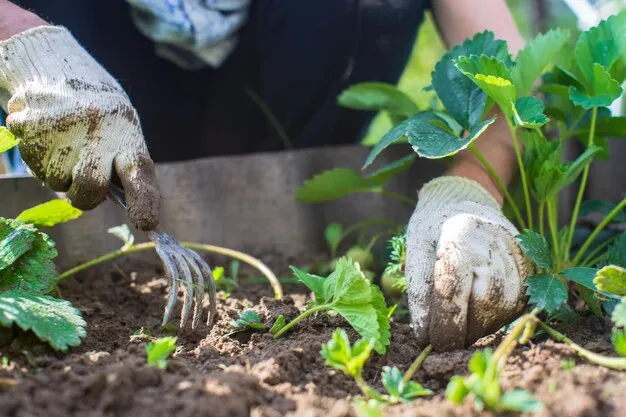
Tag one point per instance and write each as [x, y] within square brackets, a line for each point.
[464, 267]
[75, 122]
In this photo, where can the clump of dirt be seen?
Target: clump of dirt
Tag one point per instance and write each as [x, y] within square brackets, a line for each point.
[212, 374]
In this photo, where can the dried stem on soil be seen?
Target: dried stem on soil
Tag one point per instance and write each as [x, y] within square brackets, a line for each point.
[608, 361]
[417, 363]
[256, 263]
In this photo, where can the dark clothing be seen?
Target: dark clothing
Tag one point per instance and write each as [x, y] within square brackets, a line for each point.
[295, 55]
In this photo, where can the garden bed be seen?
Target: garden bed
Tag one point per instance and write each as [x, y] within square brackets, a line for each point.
[253, 374]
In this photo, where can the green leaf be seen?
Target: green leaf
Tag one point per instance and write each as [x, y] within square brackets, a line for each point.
[618, 315]
[546, 292]
[573, 169]
[611, 279]
[313, 282]
[493, 77]
[332, 234]
[535, 57]
[395, 135]
[361, 303]
[582, 276]
[25, 258]
[536, 247]
[159, 350]
[427, 139]
[382, 319]
[478, 363]
[16, 241]
[377, 96]
[460, 96]
[585, 277]
[616, 253]
[589, 297]
[369, 408]
[331, 185]
[347, 284]
[278, 324]
[602, 45]
[528, 113]
[603, 207]
[389, 171]
[7, 140]
[339, 354]
[50, 213]
[520, 400]
[619, 341]
[52, 320]
[123, 233]
[457, 390]
[248, 319]
[393, 381]
[602, 92]
[339, 182]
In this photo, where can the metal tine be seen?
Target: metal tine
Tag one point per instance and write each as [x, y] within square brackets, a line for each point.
[197, 271]
[188, 286]
[171, 272]
[178, 261]
[211, 286]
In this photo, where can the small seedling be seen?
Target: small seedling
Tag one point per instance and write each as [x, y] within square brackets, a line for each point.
[483, 384]
[568, 364]
[158, 351]
[348, 293]
[278, 324]
[247, 320]
[350, 359]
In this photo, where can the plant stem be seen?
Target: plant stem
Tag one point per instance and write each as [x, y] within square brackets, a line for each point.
[510, 341]
[492, 172]
[582, 187]
[396, 196]
[256, 263]
[271, 118]
[522, 170]
[302, 315]
[595, 255]
[608, 361]
[554, 233]
[416, 364]
[368, 391]
[542, 209]
[598, 229]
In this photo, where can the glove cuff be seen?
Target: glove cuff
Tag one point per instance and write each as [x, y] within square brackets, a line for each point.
[450, 190]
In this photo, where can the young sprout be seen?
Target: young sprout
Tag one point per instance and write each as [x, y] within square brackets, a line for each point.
[159, 350]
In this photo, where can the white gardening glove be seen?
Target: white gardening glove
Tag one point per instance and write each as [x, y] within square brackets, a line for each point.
[464, 267]
[75, 122]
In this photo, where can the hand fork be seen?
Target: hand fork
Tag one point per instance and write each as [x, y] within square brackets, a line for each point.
[181, 265]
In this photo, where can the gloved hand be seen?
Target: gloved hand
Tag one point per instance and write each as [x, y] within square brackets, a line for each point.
[75, 122]
[464, 267]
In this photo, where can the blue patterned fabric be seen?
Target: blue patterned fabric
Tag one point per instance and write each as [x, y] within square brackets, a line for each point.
[191, 33]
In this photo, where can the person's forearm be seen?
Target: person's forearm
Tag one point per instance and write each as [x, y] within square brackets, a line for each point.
[457, 21]
[14, 20]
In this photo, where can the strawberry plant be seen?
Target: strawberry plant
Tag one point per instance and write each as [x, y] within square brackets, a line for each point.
[554, 90]
[348, 293]
[28, 274]
[350, 359]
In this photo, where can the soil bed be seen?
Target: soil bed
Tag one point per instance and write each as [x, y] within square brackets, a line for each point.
[252, 374]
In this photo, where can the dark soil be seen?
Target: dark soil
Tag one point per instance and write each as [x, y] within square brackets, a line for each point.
[252, 374]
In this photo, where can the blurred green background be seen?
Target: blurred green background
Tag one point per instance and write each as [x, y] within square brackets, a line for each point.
[531, 16]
